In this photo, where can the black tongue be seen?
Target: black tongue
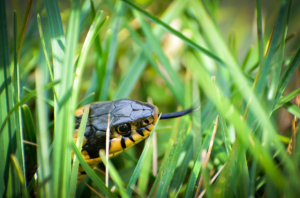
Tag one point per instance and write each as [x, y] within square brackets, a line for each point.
[176, 114]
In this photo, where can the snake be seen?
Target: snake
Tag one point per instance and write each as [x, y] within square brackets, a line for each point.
[130, 122]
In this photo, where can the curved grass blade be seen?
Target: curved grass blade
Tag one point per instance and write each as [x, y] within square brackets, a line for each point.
[293, 109]
[286, 98]
[176, 33]
[74, 174]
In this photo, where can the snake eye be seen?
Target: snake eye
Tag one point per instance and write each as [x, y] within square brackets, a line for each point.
[123, 128]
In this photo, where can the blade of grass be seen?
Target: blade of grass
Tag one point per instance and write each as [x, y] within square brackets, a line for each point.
[222, 122]
[112, 50]
[278, 33]
[205, 158]
[279, 61]
[75, 165]
[18, 116]
[182, 167]
[137, 169]
[287, 76]
[167, 176]
[29, 134]
[259, 33]
[42, 133]
[197, 166]
[57, 41]
[165, 160]
[242, 129]
[134, 73]
[293, 109]
[20, 173]
[45, 52]
[26, 98]
[92, 189]
[107, 151]
[92, 34]
[114, 174]
[246, 59]
[196, 118]
[23, 27]
[131, 77]
[48, 101]
[91, 173]
[100, 59]
[64, 122]
[155, 45]
[175, 32]
[88, 97]
[9, 185]
[285, 99]
[143, 181]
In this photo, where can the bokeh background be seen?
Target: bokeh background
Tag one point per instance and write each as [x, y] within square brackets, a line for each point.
[236, 24]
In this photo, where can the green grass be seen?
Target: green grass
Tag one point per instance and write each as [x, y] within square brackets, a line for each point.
[236, 63]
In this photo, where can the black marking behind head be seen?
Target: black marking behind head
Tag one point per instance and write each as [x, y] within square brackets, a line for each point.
[130, 137]
[140, 131]
[123, 142]
[176, 114]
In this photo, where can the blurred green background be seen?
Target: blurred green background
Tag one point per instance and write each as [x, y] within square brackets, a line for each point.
[132, 57]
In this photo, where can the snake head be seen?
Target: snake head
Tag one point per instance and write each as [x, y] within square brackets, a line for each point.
[130, 122]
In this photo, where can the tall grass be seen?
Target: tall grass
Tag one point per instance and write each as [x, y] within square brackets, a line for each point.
[174, 53]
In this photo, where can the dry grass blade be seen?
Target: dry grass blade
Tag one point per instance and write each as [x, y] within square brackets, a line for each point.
[212, 180]
[30, 143]
[292, 144]
[92, 189]
[154, 155]
[107, 150]
[102, 172]
[206, 157]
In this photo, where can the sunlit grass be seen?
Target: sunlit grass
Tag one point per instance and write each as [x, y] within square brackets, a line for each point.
[177, 55]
